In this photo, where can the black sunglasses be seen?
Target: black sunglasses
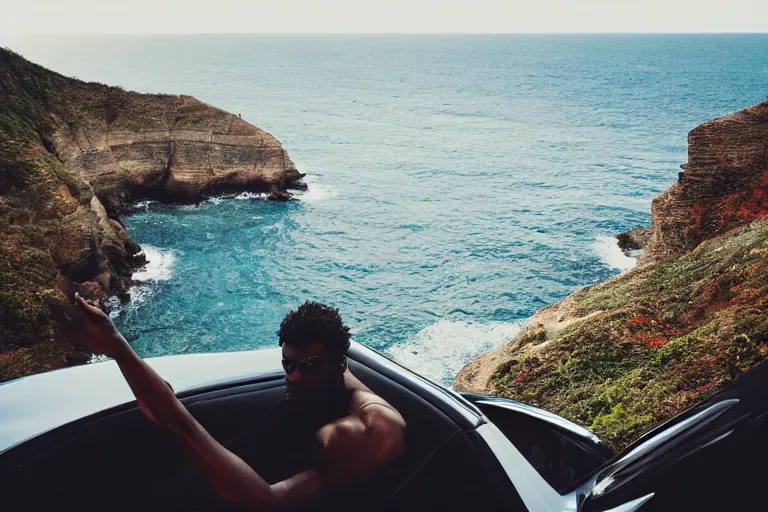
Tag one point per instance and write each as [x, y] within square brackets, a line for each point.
[306, 366]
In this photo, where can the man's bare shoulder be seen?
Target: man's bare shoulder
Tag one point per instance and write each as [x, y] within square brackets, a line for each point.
[367, 405]
[370, 435]
[384, 425]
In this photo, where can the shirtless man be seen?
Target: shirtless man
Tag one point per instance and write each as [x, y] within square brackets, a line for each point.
[358, 430]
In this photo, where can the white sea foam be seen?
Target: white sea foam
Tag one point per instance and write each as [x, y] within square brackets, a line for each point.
[159, 266]
[250, 195]
[143, 205]
[608, 250]
[316, 192]
[99, 358]
[440, 350]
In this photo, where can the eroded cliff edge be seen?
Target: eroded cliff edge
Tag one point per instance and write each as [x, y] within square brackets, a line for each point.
[625, 355]
[73, 157]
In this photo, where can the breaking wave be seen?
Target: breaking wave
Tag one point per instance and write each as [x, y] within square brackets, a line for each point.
[440, 350]
[610, 253]
[159, 265]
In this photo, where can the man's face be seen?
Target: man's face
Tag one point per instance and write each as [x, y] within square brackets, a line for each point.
[311, 373]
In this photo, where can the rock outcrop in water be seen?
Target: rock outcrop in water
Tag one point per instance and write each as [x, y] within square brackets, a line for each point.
[634, 240]
[170, 148]
[73, 156]
[625, 355]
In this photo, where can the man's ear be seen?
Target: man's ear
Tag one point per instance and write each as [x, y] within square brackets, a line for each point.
[344, 364]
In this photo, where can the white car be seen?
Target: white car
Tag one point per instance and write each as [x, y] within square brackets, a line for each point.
[74, 439]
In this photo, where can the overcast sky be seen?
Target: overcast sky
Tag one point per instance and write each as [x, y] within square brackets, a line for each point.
[380, 16]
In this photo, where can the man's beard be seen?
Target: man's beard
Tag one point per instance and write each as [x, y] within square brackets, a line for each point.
[319, 407]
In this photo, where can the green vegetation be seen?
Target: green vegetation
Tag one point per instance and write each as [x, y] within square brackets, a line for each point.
[53, 238]
[664, 337]
[657, 340]
[35, 193]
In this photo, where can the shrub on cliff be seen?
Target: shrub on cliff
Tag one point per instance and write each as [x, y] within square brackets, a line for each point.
[35, 192]
[659, 339]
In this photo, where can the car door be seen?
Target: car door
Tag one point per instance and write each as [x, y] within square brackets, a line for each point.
[457, 477]
[563, 453]
[118, 460]
[712, 457]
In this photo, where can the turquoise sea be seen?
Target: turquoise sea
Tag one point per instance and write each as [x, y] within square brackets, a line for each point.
[457, 183]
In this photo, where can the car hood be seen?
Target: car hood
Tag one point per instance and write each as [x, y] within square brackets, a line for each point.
[32, 405]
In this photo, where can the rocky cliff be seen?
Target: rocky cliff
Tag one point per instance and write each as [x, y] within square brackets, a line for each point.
[73, 156]
[723, 185]
[625, 355]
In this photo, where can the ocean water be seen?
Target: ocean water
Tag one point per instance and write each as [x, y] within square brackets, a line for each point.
[457, 183]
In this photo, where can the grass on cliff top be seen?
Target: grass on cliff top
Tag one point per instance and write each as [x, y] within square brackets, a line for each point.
[36, 192]
[39, 196]
[29, 227]
[665, 337]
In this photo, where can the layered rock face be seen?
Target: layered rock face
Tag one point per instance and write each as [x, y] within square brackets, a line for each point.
[625, 355]
[173, 149]
[73, 156]
[723, 185]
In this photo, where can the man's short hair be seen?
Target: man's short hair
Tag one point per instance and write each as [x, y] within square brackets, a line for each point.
[313, 322]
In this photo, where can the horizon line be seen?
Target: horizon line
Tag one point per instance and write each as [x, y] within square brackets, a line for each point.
[730, 32]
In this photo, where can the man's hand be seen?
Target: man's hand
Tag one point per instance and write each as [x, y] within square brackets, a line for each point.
[376, 438]
[232, 478]
[89, 326]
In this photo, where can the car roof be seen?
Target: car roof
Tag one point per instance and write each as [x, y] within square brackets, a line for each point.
[39, 403]
[35, 404]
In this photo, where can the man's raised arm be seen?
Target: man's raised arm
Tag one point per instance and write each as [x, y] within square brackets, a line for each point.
[229, 475]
